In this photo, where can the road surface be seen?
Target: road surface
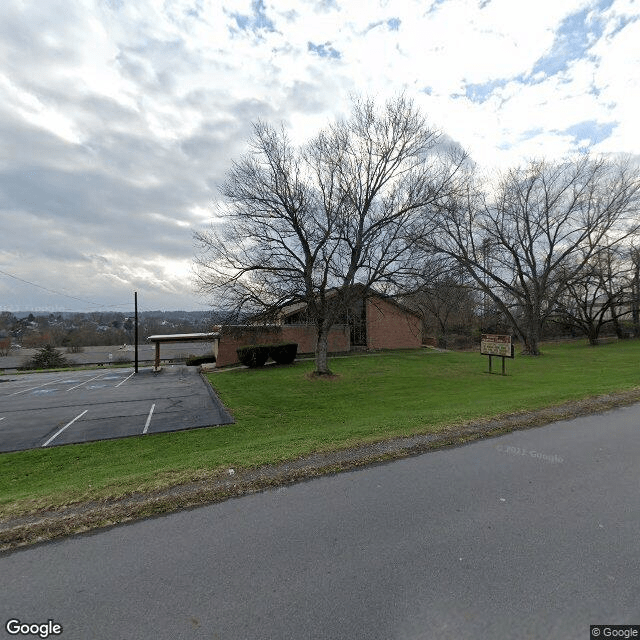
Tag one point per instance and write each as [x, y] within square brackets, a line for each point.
[535, 534]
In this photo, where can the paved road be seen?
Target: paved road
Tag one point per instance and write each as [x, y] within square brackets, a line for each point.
[49, 409]
[531, 535]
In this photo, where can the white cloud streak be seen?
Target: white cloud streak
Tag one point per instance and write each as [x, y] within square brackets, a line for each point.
[119, 119]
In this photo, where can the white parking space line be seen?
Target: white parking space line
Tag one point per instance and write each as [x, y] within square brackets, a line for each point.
[85, 382]
[15, 393]
[55, 435]
[119, 383]
[146, 426]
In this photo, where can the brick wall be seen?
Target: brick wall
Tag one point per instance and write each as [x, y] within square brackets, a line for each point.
[390, 327]
[232, 338]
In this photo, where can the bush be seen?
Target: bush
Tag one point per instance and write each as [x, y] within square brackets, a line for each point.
[253, 355]
[284, 353]
[256, 355]
[47, 358]
[193, 361]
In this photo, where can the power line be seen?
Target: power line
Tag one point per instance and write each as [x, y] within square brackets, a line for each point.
[66, 295]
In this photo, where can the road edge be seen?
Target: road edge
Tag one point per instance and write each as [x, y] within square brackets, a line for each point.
[49, 525]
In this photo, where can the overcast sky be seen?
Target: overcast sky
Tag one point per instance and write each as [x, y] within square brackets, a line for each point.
[119, 118]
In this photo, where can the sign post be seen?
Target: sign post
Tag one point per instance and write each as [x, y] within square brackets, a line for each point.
[496, 345]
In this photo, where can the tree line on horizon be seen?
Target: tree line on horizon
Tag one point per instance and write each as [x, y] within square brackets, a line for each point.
[74, 331]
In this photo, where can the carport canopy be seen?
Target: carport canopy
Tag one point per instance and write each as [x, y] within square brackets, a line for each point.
[183, 337]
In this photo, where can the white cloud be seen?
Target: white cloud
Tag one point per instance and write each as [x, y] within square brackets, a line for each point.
[617, 80]
[119, 119]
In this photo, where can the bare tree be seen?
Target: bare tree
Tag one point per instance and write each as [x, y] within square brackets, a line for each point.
[445, 298]
[5, 346]
[633, 254]
[306, 224]
[613, 275]
[543, 223]
[595, 297]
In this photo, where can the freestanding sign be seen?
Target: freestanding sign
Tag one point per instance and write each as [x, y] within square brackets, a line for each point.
[496, 345]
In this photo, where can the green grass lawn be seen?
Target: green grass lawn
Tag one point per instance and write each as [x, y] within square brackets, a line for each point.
[282, 414]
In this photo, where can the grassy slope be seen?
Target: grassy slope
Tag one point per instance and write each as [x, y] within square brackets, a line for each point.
[281, 414]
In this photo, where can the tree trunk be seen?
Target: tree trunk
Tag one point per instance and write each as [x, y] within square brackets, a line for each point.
[532, 327]
[635, 308]
[616, 324]
[442, 342]
[531, 346]
[592, 334]
[531, 342]
[322, 364]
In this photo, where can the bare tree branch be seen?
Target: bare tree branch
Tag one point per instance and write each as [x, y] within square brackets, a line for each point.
[538, 231]
[308, 224]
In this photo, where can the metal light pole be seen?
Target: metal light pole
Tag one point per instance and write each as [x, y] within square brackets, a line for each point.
[135, 331]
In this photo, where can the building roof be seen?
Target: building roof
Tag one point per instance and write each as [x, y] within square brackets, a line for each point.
[296, 307]
[184, 337]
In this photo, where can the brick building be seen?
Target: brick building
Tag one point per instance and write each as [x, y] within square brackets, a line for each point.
[373, 321]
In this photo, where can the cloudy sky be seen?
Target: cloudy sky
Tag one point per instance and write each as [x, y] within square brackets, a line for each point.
[119, 119]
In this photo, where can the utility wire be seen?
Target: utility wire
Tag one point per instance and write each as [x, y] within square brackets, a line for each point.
[66, 295]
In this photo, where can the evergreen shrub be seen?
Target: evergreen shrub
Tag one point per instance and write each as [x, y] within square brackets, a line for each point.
[193, 361]
[253, 355]
[47, 357]
[284, 353]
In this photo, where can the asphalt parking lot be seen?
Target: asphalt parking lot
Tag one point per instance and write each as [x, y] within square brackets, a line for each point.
[50, 409]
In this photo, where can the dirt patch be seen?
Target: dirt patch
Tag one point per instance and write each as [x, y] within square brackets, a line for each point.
[314, 375]
[219, 486]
